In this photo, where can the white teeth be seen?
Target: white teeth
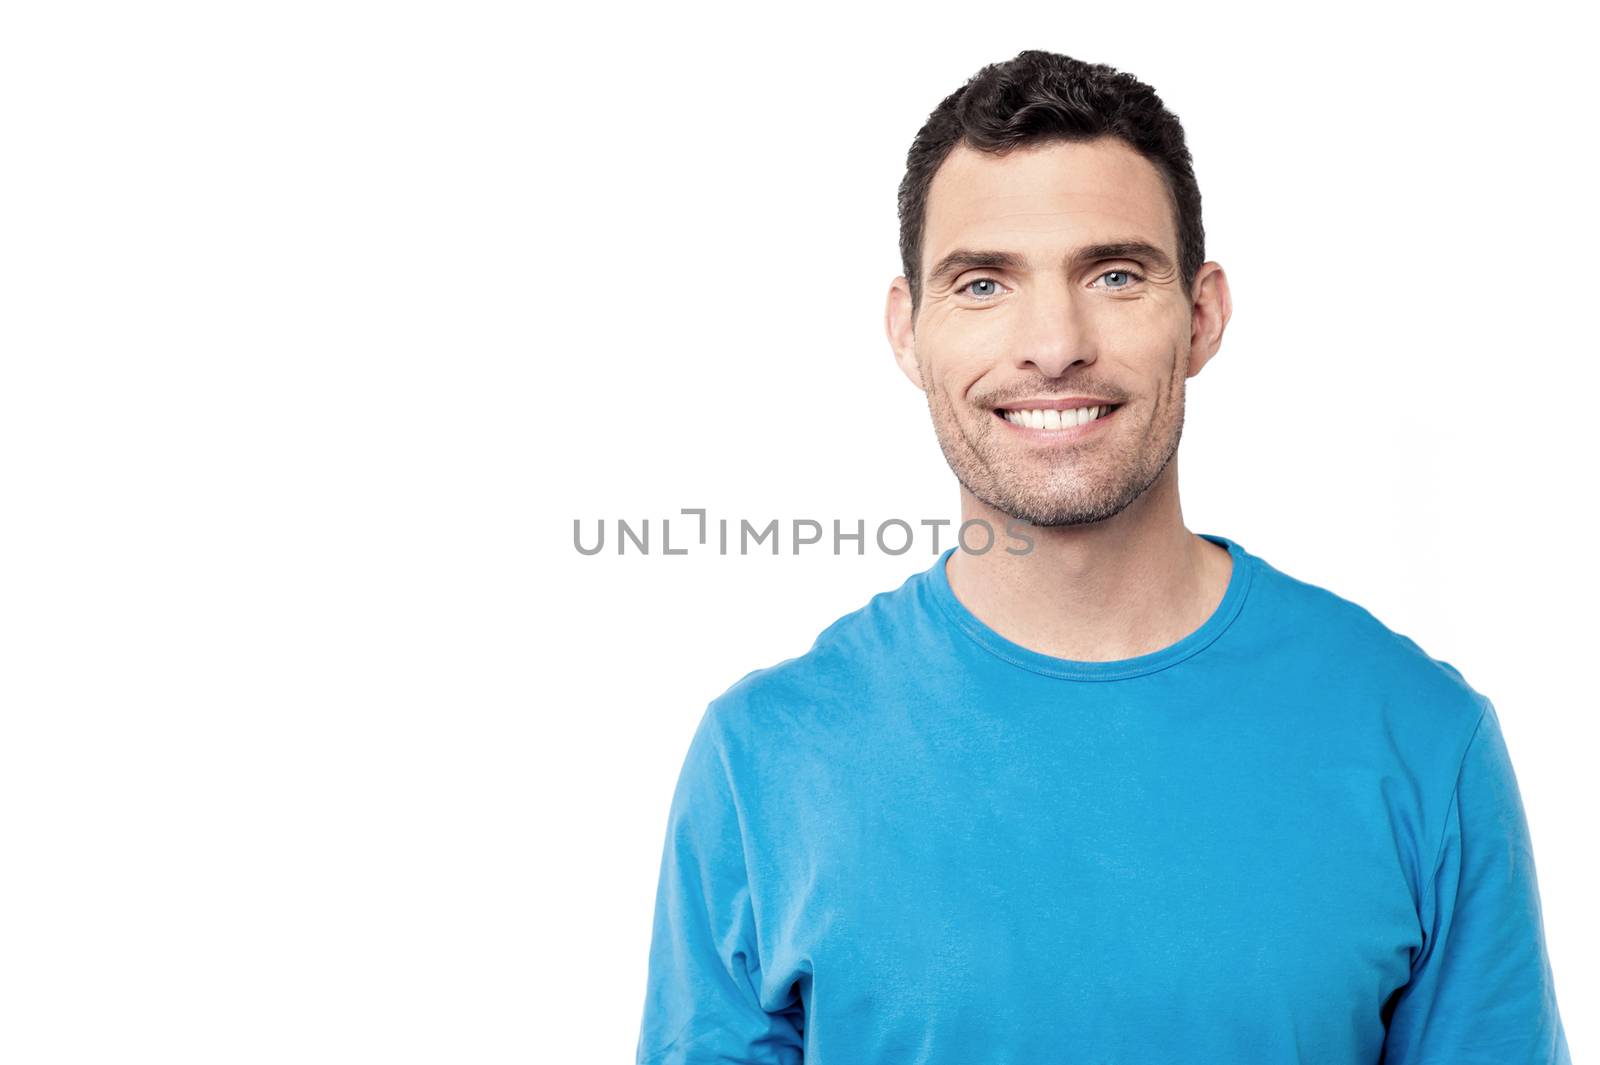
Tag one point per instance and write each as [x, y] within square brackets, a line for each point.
[1054, 419]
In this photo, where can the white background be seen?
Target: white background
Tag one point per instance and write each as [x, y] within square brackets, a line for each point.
[323, 322]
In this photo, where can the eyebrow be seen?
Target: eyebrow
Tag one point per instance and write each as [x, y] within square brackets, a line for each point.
[963, 259]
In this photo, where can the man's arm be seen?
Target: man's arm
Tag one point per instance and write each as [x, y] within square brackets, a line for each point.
[1481, 990]
[702, 1000]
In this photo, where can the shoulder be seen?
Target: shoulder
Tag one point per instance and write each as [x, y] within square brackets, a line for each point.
[1348, 647]
[834, 672]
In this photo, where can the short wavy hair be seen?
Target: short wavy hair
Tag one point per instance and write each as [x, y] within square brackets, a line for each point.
[1039, 98]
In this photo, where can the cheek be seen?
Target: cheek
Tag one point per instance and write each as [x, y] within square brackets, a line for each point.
[1147, 324]
[943, 374]
[955, 369]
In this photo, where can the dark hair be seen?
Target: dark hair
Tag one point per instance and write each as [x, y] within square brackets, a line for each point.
[1037, 98]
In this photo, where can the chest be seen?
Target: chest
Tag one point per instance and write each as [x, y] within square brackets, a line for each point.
[1130, 893]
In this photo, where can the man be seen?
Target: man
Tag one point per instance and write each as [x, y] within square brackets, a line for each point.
[1134, 795]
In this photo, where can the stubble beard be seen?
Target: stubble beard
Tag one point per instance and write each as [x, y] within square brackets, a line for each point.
[1092, 483]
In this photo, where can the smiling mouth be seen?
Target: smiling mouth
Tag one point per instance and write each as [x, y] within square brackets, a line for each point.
[1056, 419]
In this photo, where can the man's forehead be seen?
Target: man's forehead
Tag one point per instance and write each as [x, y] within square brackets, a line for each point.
[1075, 192]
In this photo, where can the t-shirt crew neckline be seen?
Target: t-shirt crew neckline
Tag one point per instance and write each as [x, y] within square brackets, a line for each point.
[1119, 669]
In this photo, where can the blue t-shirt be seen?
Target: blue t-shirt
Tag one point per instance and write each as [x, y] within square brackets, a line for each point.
[1291, 836]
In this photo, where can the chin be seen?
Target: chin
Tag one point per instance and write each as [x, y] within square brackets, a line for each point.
[1049, 510]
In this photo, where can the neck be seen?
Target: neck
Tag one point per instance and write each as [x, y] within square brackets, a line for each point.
[1127, 586]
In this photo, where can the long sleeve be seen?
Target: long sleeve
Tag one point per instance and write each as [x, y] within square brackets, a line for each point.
[1481, 990]
[702, 1001]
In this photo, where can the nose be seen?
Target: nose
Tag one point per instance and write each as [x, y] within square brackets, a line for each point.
[1056, 333]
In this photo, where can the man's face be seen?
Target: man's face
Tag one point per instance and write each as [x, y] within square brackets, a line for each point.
[1058, 316]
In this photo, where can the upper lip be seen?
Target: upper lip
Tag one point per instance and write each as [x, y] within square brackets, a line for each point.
[1058, 403]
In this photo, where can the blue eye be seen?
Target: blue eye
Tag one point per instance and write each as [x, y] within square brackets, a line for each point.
[967, 288]
[1128, 277]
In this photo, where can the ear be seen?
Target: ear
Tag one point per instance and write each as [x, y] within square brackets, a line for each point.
[1213, 306]
[898, 323]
